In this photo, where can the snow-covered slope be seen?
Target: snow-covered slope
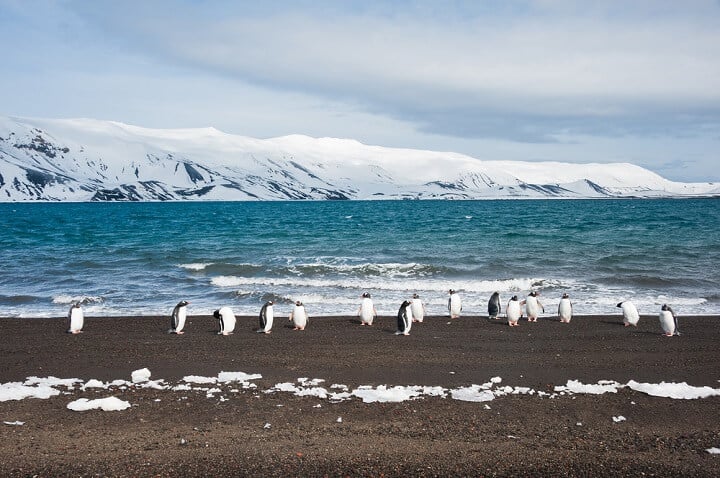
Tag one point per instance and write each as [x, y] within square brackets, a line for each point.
[90, 160]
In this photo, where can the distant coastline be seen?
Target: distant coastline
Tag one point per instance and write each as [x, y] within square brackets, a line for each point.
[92, 160]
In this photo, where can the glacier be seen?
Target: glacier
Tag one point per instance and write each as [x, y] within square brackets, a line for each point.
[92, 160]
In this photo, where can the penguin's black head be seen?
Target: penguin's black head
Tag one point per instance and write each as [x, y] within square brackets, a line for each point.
[415, 296]
[565, 296]
[216, 314]
[183, 303]
[76, 305]
[619, 304]
[269, 302]
[664, 307]
[298, 302]
[451, 291]
[514, 297]
[366, 295]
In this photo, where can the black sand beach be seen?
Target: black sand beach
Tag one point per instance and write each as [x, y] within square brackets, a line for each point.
[181, 433]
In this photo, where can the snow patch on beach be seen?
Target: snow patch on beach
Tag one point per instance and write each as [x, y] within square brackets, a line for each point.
[383, 393]
[109, 404]
[681, 391]
[234, 382]
[603, 386]
[141, 375]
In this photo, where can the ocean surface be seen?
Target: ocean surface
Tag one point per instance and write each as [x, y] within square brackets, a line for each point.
[142, 258]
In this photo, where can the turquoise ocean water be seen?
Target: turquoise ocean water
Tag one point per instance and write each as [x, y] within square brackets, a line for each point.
[142, 258]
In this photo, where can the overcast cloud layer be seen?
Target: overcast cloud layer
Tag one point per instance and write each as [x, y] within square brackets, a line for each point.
[520, 80]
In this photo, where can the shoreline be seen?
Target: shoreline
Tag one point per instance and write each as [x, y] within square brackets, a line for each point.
[252, 431]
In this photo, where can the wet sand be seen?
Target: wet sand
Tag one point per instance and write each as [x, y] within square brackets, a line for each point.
[252, 433]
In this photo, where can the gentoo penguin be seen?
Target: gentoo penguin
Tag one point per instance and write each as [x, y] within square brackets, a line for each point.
[76, 319]
[630, 313]
[454, 304]
[226, 320]
[417, 308]
[299, 316]
[367, 311]
[177, 319]
[266, 318]
[513, 311]
[404, 319]
[533, 307]
[668, 321]
[565, 309]
[494, 308]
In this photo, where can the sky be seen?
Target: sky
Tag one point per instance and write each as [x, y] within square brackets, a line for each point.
[633, 81]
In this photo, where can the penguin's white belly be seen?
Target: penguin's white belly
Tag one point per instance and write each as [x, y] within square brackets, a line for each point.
[366, 311]
[565, 310]
[513, 311]
[667, 322]
[455, 305]
[417, 310]
[532, 307]
[180, 319]
[630, 314]
[77, 319]
[299, 317]
[228, 320]
[269, 317]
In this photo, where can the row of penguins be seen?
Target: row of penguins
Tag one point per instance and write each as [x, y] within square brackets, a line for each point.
[411, 311]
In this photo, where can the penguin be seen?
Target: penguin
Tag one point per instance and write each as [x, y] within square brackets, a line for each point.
[404, 319]
[417, 308]
[513, 311]
[367, 311]
[565, 309]
[630, 313]
[76, 319]
[226, 320]
[494, 308]
[177, 319]
[299, 316]
[266, 318]
[668, 321]
[454, 304]
[533, 307]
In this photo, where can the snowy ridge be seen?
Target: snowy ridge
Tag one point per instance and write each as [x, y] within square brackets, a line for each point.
[92, 160]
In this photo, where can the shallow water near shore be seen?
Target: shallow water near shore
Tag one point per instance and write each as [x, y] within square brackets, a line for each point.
[142, 258]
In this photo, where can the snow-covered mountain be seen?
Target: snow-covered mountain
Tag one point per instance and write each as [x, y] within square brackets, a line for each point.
[90, 160]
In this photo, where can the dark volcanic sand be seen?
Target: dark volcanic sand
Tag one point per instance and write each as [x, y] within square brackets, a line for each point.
[520, 435]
